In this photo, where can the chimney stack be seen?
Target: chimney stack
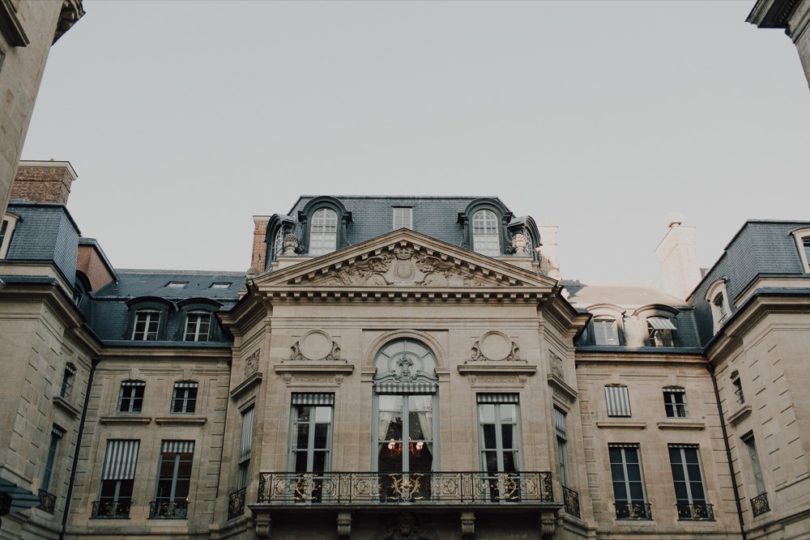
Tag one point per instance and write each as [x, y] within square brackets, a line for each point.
[677, 259]
[257, 258]
[549, 262]
[43, 181]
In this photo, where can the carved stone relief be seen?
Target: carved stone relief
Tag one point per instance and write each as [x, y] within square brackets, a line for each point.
[555, 364]
[495, 346]
[406, 267]
[315, 345]
[404, 526]
[252, 363]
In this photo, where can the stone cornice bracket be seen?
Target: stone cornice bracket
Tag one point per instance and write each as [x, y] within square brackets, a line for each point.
[344, 524]
[263, 526]
[72, 11]
[548, 522]
[467, 520]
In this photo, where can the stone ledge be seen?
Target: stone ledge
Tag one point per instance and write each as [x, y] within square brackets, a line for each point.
[125, 420]
[681, 424]
[621, 424]
[246, 385]
[496, 368]
[314, 367]
[180, 420]
[66, 406]
[741, 413]
[555, 381]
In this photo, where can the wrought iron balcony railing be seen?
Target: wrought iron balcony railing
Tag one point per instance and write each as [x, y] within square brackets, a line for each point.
[759, 504]
[236, 503]
[570, 501]
[166, 508]
[111, 508]
[633, 510]
[695, 512]
[47, 501]
[346, 488]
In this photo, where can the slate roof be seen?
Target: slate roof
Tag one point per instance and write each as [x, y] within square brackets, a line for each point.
[135, 283]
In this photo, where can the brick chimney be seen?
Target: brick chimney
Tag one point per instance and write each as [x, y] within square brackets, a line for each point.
[257, 259]
[43, 181]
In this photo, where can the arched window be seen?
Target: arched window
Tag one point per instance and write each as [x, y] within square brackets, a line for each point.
[405, 388]
[661, 331]
[323, 232]
[717, 297]
[802, 238]
[146, 325]
[485, 233]
[7, 225]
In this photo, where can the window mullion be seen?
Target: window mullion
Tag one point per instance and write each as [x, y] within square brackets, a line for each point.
[498, 437]
[687, 480]
[311, 440]
[626, 477]
[406, 434]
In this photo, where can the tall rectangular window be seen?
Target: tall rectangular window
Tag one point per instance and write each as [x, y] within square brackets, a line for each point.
[500, 442]
[174, 480]
[184, 398]
[198, 326]
[53, 450]
[562, 445]
[736, 385]
[130, 398]
[311, 439]
[628, 482]
[147, 324]
[605, 331]
[403, 217]
[756, 468]
[67, 380]
[675, 402]
[245, 446]
[618, 400]
[117, 479]
[690, 495]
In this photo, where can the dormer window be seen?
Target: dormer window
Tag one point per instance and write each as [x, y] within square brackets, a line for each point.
[7, 226]
[323, 232]
[717, 297]
[147, 324]
[485, 233]
[605, 331]
[176, 284]
[403, 217]
[220, 285]
[802, 237]
[661, 331]
[198, 326]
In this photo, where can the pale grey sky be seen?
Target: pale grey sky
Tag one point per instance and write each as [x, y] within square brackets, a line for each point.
[185, 118]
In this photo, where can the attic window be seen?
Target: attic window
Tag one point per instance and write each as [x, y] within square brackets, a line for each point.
[177, 284]
[220, 285]
[403, 217]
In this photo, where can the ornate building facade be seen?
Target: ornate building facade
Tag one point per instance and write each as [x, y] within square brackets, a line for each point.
[400, 368]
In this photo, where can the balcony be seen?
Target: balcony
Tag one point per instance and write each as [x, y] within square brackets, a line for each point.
[695, 511]
[111, 508]
[633, 510]
[236, 503]
[759, 504]
[571, 501]
[383, 489]
[168, 509]
[47, 501]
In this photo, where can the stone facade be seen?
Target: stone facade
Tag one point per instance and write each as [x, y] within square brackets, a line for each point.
[434, 383]
[791, 15]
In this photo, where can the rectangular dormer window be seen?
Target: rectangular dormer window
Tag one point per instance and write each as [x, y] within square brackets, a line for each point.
[220, 285]
[176, 284]
[147, 324]
[403, 217]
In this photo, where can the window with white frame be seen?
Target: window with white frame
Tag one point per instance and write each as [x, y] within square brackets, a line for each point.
[403, 217]
[130, 397]
[661, 332]
[690, 494]
[802, 238]
[628, 482]
[499, 436]
[184, 397]
[198, 326]
[7, 226]
[311, 439]
[147, 325]
[53, 449]
[245, 446]
[756, 468]
[605, 331]
[176, 284]
[323, 232]
[617, 397]
[675, 401]
[485, 235]
[562, 445]
[717, 297]
[117, 479]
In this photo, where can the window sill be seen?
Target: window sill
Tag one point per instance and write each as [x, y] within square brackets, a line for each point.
[621, 424]
[737, 417]
[556, 382]
[307, 366]
[246, 385]
[125, 420]
[497, 367]
[66, 406]
[181, 420]
[681, 424]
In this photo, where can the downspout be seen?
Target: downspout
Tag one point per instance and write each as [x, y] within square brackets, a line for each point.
[76, 453]
[728, 455]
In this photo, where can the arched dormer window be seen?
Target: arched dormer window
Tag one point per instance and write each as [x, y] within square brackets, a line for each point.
[197, 320]
[324, 220]
[323, 232]
[277, 228]
[717, 297]
[405, 386]
[485, 222]
[661, 323]
[7, 226]
[148, 318]
[802, 238]
[605, 331]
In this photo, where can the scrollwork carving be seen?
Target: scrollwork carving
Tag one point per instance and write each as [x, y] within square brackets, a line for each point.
[252, 363]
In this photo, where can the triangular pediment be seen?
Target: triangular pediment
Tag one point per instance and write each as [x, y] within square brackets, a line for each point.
[405, 259]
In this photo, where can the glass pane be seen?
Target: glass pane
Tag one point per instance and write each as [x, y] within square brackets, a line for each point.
[390, 457]
[506, 436]
[636, 491]
[619, 491]
[510, 461]
[321, 435]
[181, 489]
[491, 461]
[631, 454]
[301, 462]
[303, 413]
[319, 462]
[486, 413]
[617, 471]
[390, 427]
[302, 440]
[420, 457]
[633, 472]
[508, 413]
[489, 436]
[323, 414]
